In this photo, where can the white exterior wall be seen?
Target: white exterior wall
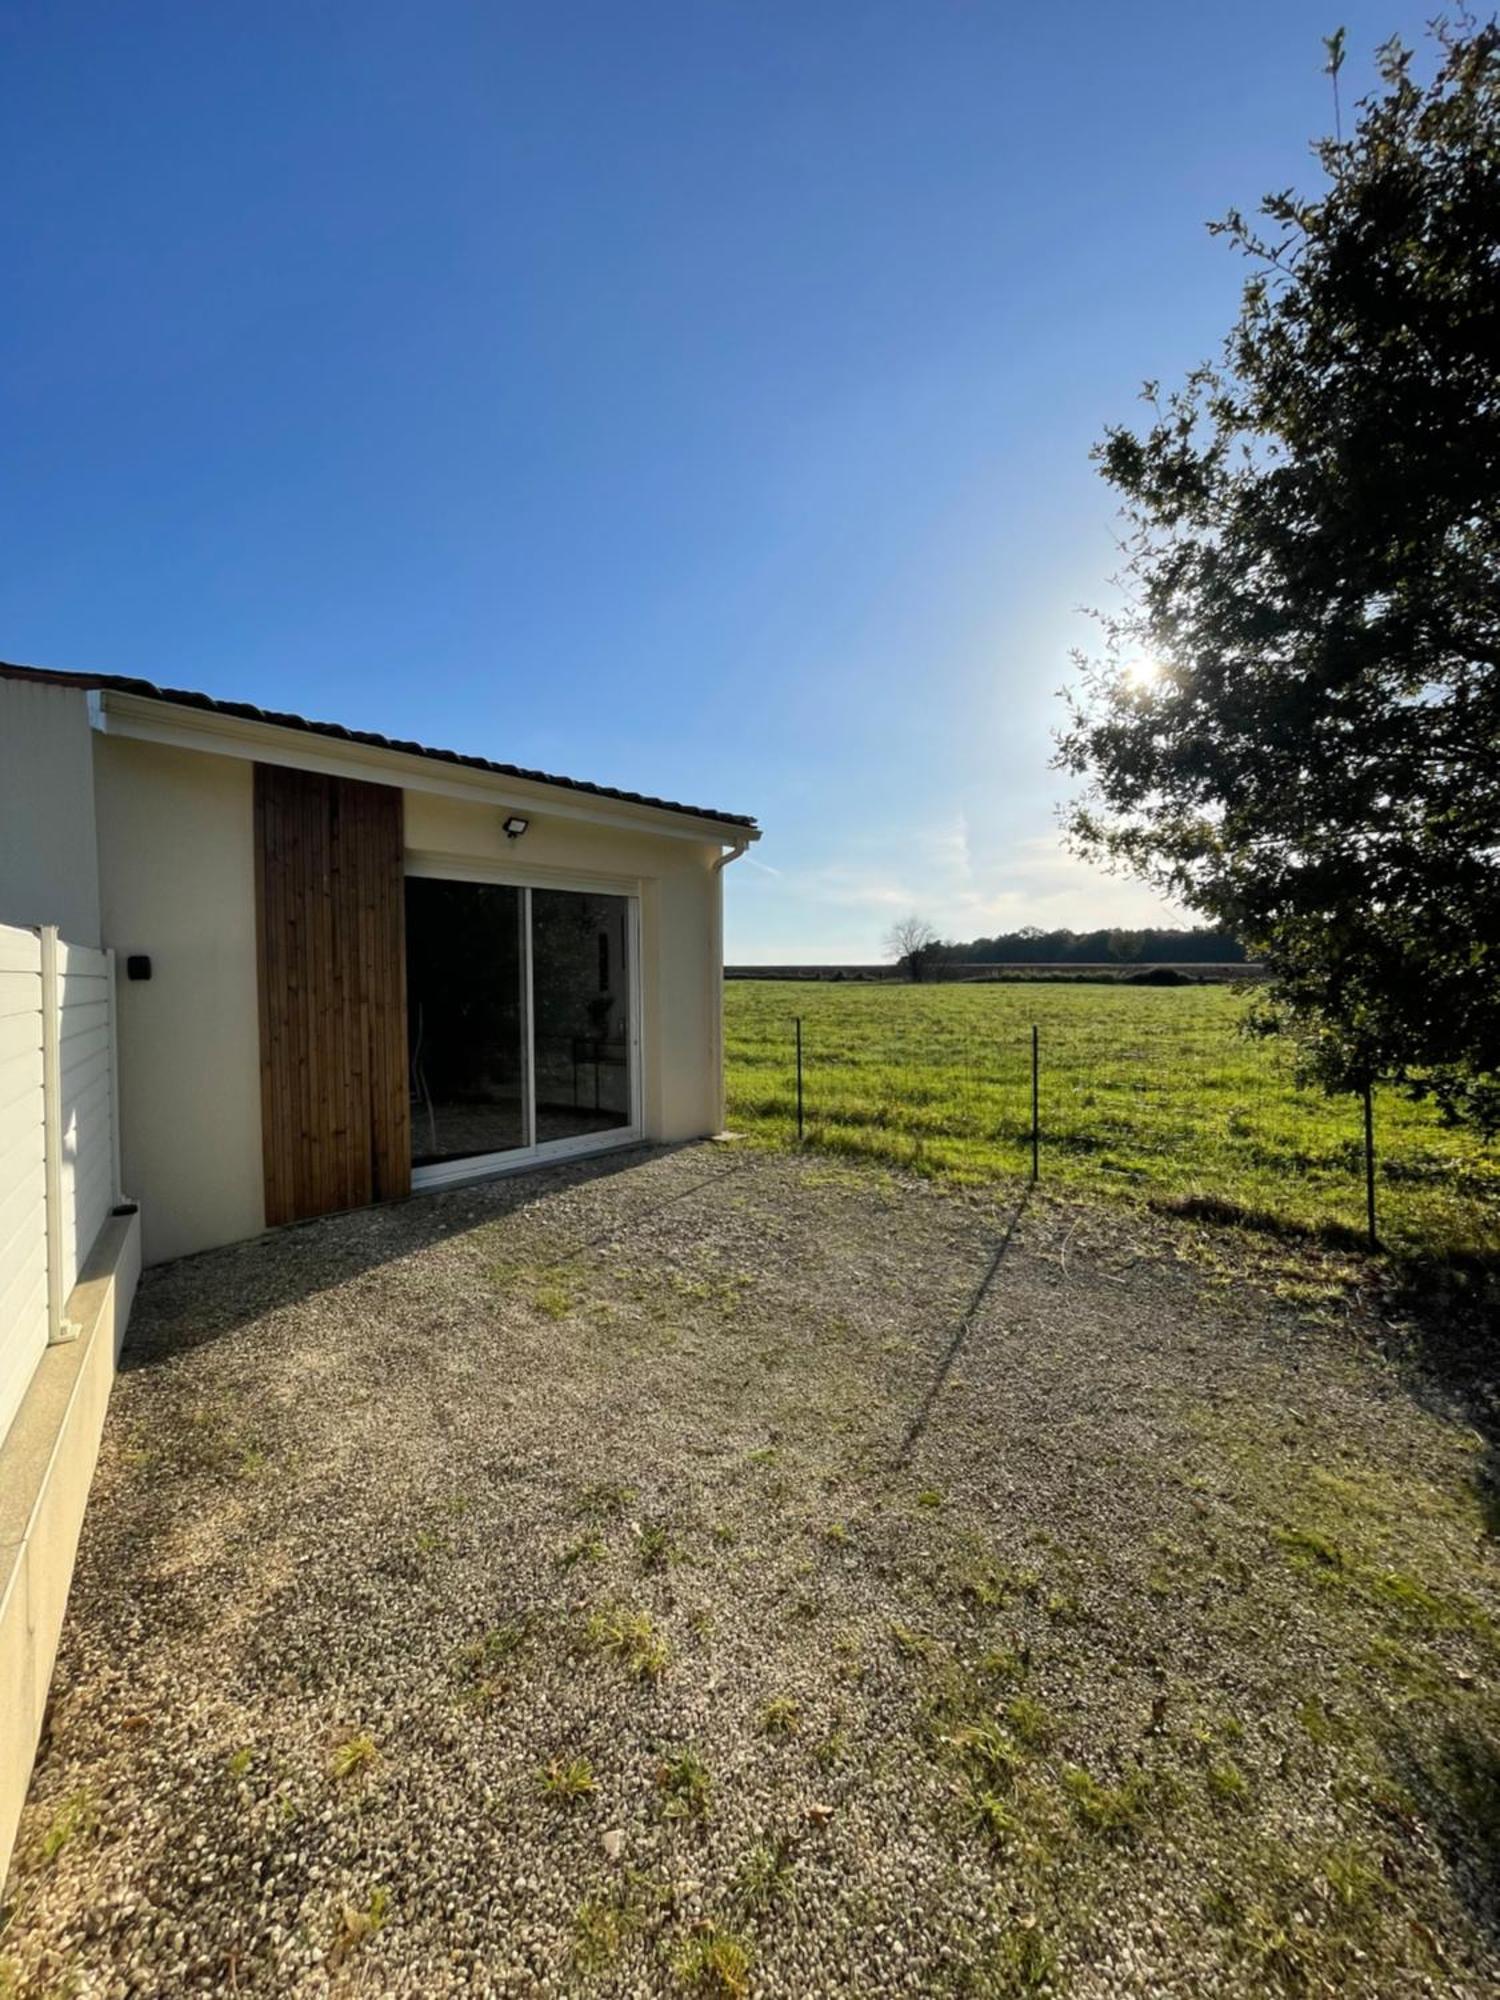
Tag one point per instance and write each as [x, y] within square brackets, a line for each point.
[23, 1182]
[57, 1172]
[678, 888]
[86, 1153]
[49, 857]
[177, 881]
[177, 875]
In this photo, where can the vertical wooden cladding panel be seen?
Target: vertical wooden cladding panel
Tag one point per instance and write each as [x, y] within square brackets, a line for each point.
[329, 884]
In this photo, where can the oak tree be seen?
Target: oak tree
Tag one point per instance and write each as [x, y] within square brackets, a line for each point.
[1293, 724]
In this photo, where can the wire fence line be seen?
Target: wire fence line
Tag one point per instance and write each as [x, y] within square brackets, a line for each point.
[1156, 1098]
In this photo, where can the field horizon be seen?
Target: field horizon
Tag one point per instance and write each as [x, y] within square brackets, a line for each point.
[1143, 1091]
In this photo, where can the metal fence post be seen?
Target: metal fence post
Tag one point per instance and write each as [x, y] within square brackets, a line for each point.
[799, 1079]
[1036, 1122]
[1370, 1166]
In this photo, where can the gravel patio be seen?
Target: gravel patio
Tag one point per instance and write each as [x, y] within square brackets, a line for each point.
[709, 1572]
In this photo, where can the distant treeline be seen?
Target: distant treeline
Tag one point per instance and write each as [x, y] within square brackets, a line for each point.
[1031, 946]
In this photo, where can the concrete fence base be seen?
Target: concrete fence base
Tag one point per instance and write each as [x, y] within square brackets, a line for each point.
[46, 1465]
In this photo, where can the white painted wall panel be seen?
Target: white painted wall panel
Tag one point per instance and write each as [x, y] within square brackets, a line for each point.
[84, 1138]
[23, 1214]
[49, 850]
[87, 1140]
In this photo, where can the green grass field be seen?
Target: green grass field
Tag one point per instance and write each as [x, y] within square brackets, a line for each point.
[1143, 1091]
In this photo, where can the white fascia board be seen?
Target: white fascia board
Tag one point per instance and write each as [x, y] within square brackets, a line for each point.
[146, 720]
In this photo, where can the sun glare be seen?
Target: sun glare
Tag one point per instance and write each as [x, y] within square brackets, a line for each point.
[1142, 674]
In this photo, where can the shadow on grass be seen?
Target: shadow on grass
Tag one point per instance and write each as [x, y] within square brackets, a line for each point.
[197, 1299]
[1222, 1213]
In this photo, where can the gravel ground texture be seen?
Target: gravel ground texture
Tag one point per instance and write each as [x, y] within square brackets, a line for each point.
[705, 1572]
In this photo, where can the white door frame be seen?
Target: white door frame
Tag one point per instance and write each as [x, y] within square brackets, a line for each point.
[514, 1159]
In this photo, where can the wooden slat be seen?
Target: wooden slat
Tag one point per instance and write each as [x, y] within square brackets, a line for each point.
[331, 937]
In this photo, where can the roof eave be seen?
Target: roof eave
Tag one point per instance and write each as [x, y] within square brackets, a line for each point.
[153, 718]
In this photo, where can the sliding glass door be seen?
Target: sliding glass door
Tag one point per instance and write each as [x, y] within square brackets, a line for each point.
[520, 1022]
[465, 1017]
[580, 1013]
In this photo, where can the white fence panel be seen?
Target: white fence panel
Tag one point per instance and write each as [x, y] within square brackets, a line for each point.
[87, 1140]
[23, 1199]
[58, 1144]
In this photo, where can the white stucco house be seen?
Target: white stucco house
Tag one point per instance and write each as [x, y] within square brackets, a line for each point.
[255, 968]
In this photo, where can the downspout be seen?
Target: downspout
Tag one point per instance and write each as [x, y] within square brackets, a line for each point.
[732, 853]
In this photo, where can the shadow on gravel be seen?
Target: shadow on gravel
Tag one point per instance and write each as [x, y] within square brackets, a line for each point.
[1456, 1776]
[914, 1430]
[1448, 1313]
[197, 1299]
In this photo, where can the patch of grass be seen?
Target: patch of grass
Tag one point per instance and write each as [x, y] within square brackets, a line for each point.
[631, 1641]
[1026, 1961]
[1110, 1810]
[603, 1502]
[781, 1716]
[481, 1662]
[567, 1780]
[1310, 1550]
[1005, 1663]
[656, 1549]
[765, 1879]
[358, 1923]
[75, 1819]
[604, 1923]
[686, 1785]
[354, 1755]
[1226, 1782]
[987, 1755]
[238, 1762]
[1304, 1920]
[997, 1817]
[590, 1547]
[930, 1496]
[1346, 1529]
[1154, 1093]
[602, 1926]
[492, 1648]
[1030, 1722]
[1320, 1723]
[831, 1750]
[546, 1287]
[714, 1963]
[988, 1585]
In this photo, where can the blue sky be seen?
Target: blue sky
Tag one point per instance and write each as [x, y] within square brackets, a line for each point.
[693, 397]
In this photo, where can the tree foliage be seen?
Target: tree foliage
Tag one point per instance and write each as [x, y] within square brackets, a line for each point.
[1033, 946]
[1293, 727]
[912, 943]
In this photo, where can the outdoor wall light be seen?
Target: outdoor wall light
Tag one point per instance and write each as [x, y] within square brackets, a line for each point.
[515, 826]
